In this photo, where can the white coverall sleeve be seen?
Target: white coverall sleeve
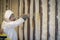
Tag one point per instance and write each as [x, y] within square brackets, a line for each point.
[14, 24]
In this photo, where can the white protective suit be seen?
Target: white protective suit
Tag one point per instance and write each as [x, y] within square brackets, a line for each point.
[9, 26]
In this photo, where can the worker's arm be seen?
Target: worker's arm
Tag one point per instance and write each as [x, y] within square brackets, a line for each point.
[16, 23]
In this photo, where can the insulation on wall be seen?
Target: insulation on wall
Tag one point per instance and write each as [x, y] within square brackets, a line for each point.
[52, 19]
[44, 19]
[37, 21]
[58, 17]
[42, 22]
[31, 20]
[26, 22]
[20, 14]
[0, 12]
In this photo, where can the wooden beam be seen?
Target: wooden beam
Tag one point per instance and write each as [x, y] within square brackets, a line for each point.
[52, 20]
[37, 21]
[10, 4]
[7, 4]
[44, 19]
[58, 17]
[31, 20]
[14, 8]
[26, 22]
[21, 26]
[4, 6]
[0, 12]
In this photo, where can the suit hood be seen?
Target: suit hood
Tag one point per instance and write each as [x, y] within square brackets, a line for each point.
[7, 15]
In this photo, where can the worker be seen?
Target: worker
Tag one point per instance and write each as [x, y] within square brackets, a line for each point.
[10, 23]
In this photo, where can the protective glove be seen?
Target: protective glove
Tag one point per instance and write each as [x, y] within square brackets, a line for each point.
[25, 16]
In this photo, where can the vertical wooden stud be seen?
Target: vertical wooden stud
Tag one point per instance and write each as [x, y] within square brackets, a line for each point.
[52, 20]
[44, 20]
[37, 21]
